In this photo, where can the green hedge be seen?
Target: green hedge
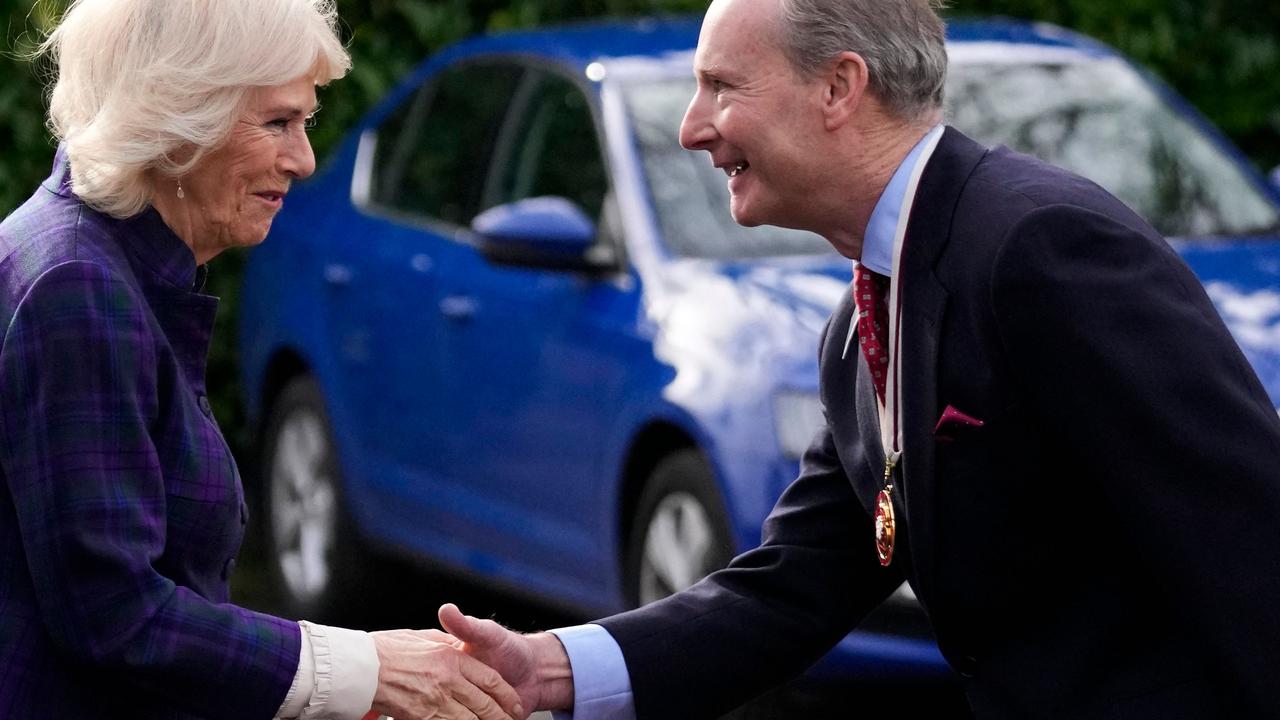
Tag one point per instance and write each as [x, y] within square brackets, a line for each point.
[1224, 57]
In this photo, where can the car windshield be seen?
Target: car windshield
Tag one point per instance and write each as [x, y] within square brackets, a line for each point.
[1100, 119]
[1094, 116]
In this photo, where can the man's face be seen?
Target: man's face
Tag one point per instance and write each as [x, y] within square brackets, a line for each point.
[761, 123]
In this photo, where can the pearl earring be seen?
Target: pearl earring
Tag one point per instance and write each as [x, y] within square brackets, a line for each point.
[181, 194]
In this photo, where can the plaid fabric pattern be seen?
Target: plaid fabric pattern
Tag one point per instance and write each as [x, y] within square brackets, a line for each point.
[121, 509]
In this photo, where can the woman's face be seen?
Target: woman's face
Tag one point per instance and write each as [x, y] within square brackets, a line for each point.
[233, 194]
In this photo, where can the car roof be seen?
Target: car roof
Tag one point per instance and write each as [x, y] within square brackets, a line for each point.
[578, 45]
[657, 46]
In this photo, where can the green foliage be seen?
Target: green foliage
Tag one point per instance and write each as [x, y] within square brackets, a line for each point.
[29, 150]
[1225, 58]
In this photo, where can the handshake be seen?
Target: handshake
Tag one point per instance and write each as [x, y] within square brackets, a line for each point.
[476, 669]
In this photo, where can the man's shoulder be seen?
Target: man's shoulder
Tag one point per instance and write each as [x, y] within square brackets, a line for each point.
[1013, 184]
[1007, 192]
[975, 194]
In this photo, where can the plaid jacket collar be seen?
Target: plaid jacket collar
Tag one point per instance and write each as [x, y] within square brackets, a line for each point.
[145, 236]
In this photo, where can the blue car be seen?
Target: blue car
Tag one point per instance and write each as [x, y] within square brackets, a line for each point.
[510, 328]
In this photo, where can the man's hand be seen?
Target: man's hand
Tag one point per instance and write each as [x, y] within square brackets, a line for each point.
[423, 675]
[535, 665]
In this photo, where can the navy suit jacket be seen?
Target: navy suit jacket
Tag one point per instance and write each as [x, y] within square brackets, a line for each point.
[1104, 546]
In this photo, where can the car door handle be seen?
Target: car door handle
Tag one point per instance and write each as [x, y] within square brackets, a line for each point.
[337, 275]
[458, 307]
[421, 263]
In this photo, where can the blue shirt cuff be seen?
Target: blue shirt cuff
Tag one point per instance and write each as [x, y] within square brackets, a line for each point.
[601, 684]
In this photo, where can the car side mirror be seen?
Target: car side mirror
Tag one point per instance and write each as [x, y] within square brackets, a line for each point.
[541, 232]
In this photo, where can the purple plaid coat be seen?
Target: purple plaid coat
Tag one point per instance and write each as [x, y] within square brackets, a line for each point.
[121, 510]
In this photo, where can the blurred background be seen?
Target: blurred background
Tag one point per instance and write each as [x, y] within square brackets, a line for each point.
[1224, 58]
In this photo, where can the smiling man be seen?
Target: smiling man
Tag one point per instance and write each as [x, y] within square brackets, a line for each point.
[1034, 415]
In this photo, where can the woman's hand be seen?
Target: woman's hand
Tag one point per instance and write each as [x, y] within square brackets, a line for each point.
[424, 675]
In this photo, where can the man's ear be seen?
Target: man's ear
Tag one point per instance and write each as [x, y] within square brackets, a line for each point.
[845, 85]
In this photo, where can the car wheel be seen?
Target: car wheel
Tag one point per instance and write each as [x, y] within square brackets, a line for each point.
[312, 553]
[681, 532]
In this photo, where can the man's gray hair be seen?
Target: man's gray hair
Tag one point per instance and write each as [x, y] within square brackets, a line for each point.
[902, 41]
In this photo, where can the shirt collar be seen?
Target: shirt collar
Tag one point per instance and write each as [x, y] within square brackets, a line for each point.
[877, 242]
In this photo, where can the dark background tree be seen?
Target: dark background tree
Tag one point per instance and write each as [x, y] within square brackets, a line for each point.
[1225, 57]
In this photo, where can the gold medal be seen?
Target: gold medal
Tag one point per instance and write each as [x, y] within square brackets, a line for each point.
[885, 525]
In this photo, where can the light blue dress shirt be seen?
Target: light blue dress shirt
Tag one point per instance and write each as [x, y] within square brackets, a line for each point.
[877, 243]
[601, 684]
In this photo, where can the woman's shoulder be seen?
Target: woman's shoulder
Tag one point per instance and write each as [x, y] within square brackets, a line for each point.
[51, 237]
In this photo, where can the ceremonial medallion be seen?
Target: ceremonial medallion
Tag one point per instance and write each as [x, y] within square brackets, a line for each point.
[885, 525]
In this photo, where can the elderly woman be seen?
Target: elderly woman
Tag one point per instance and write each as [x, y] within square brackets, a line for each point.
[182, 124]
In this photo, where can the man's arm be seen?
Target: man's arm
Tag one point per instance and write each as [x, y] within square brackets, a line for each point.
[601, 685]
[753, 625]
[773, 612]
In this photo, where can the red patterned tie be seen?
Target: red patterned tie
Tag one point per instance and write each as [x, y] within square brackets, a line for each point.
[873, 323]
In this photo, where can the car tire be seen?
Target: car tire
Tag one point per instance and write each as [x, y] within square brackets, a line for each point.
[681, 532]
[314, 557]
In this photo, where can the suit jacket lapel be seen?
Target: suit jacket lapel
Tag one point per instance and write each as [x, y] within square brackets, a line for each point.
[923, 305]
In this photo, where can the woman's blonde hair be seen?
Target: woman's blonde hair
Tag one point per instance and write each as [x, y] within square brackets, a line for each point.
[156, 84]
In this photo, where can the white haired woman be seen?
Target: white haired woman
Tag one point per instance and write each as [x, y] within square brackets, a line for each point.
[182, 124]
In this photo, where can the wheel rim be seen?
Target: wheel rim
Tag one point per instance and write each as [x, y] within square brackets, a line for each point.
[679, 547]
[303, 504]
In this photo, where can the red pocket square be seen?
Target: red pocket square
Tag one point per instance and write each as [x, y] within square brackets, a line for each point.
[951, 421]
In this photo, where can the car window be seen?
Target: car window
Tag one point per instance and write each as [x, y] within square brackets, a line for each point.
[1100, 119]
[433, 152]
[553, 149]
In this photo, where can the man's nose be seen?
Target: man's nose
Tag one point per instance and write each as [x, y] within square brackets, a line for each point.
[696, 131]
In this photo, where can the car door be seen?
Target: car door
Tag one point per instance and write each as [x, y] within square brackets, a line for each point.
[533, 372]
[417, 184]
